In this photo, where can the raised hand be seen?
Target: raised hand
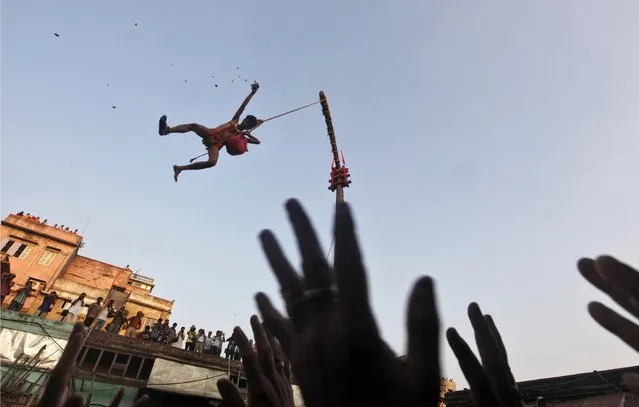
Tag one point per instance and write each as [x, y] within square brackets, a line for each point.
[56, 392]
[255, 86]
[491, 382]
[338, 356]
[267, 372]
[621, 283]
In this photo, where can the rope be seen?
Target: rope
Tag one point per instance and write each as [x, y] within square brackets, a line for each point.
[330, 248]
[289, 112]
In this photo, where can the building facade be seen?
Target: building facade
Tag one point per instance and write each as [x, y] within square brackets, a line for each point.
[47, 256]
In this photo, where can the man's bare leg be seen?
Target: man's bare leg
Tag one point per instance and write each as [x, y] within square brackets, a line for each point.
[164, 129]
[213, 156]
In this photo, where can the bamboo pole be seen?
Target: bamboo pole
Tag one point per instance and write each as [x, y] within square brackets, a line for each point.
[339, 192]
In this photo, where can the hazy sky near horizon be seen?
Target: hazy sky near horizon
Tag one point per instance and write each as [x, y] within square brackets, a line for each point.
[491, 144]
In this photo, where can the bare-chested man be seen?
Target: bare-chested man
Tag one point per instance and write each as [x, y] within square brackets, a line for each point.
[235, 135]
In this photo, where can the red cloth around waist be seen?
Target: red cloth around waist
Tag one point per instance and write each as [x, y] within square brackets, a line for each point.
[237, 145]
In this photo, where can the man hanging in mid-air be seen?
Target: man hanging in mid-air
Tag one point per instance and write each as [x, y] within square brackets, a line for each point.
[235, 135]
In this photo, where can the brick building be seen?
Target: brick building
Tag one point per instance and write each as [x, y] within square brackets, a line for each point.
[48, 256]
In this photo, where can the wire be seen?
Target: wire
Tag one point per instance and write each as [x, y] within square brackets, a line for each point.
[187, 381]
[289, 112]
[328, 256]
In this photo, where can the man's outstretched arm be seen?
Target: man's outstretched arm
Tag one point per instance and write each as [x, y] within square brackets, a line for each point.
[254, 87]
[250, 138]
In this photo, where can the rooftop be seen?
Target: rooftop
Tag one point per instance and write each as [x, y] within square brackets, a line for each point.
[31, 224]
[560, 388]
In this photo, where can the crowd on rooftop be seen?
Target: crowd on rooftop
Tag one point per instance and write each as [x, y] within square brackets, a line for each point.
[103, 316]
[34, 218]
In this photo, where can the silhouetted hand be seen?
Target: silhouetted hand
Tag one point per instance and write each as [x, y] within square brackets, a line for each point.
[491, 382]
[332, 339]
[255, 86]
[267, 372]
[621, 283]
[56, 392]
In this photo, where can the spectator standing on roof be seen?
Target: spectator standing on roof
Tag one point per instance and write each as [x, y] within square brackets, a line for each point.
[105, 312]
[164, 332]
[171, 337]
[218, 341]
[76, 306]
[92, 311]
[191, 337]
[118, 320]
[21, 296]
[199, 343]
[208, 343]
[155, 331]
[179, 340]
[47, 303]
[134, 324]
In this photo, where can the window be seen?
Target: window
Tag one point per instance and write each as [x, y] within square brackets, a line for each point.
[23, 251]
[16, 248]
[47, 258]
[113, 364]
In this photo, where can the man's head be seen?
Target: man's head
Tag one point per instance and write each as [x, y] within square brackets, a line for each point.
[175, 325]
[99, 300]
[248, 123]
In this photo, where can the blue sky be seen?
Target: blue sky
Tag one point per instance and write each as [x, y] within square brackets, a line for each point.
[491, 146]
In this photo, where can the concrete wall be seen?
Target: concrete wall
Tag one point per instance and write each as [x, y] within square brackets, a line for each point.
[97, 274]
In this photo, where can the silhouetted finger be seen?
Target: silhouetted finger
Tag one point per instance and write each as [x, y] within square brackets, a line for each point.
[74, 401]
[117, 399]
[631, 381]
[588, 269]
[264, 352]
[275, 322]
[278, 354]
[140, 401]
[623, 328]
[502, 350]
[282, 377]
[351, 279]
[423, 340]
[249, 358]
[288, 279]
[495, 333]
[55, 392]
[623, 278]
[314, 264]
[230, 394]
[480, 386]
[496, 367]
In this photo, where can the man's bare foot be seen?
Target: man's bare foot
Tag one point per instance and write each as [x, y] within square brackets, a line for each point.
[163, 129]
[176, 172]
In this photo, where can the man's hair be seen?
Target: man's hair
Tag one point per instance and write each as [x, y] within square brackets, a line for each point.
[250, 121]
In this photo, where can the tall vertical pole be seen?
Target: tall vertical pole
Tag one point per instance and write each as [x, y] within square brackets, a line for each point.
[339, 186]
[339, 173]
